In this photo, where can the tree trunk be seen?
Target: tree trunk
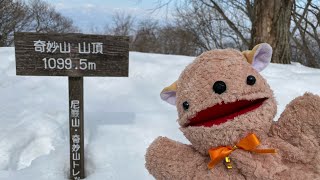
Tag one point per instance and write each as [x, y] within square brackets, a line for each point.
[271, 25]
[1, 41]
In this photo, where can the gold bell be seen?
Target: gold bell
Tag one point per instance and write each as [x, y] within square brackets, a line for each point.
[227, 162]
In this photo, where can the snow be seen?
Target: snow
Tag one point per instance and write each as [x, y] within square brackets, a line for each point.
[122, 116]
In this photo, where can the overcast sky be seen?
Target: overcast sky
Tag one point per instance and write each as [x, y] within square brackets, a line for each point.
[95, 14]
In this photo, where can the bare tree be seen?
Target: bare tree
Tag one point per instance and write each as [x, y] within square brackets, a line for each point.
[122, 24]
[176, 40]
[146, 37]
[166, 39]
[236, 15]
[272, 25]
[208, 26]
[13, 16]
[36, 16]
[306, 32]
[252, 22]
[46, 19]
[270, 22]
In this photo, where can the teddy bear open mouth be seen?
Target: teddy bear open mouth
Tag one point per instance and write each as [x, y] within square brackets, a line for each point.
[222, 113]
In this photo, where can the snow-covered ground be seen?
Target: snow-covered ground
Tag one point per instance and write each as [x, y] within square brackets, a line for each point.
[122, 116]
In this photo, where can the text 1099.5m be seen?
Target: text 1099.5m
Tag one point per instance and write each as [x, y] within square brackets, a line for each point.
[61, 63]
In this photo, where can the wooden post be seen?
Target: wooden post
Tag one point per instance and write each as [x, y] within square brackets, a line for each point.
[76, 123]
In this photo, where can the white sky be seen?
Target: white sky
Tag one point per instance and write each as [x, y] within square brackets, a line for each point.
[96, 14]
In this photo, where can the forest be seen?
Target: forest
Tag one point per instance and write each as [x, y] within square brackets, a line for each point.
[291, 27]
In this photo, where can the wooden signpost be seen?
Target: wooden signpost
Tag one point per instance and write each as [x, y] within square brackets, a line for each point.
[75, 56]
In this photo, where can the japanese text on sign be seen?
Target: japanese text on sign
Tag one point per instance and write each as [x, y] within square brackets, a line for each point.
[67, 63]
[75, 124]
[52, 47]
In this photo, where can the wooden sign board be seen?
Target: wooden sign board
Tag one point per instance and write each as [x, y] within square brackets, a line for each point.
[73, 55]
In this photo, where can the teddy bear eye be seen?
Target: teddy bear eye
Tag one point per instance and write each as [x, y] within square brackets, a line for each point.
[219, 87]
[251, 80]
[185, 105]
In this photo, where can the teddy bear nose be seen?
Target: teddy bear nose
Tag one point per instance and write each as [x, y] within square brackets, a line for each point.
[219, 87]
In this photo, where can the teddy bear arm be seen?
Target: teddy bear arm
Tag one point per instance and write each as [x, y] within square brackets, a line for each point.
[168, 159]
[300, 121]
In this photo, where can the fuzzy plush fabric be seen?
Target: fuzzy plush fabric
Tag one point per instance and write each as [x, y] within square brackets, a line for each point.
[296, 135]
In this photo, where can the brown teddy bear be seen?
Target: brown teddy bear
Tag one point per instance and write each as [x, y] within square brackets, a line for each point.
[226, 110]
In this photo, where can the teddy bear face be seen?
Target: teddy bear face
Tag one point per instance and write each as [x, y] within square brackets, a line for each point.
[220, 97]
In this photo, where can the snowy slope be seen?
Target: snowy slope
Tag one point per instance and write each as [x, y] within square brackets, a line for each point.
[122, 116]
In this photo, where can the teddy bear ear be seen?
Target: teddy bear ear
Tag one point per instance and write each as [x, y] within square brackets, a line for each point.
[260, 56]
[168, 94]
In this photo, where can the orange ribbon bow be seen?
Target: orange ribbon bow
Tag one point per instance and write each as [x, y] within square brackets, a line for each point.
[249, 143]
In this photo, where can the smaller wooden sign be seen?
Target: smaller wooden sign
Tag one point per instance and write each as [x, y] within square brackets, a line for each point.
[76, 122]
[73, 55]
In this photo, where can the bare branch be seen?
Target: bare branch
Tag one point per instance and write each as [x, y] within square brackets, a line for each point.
[228, 21]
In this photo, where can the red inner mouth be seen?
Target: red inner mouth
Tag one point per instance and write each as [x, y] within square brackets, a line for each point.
[221, 113]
